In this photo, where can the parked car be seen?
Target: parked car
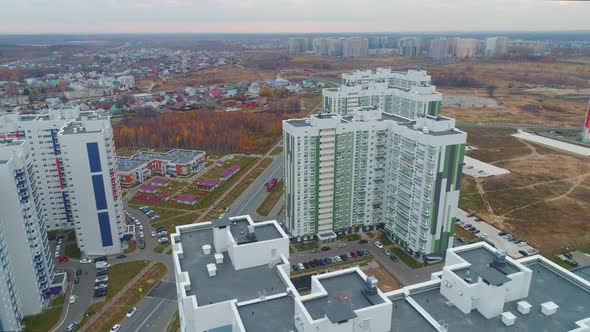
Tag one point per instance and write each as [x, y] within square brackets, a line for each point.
[163, 240]
[461, 240]
[571, 262]
[475, 231]
[354, 254]
[325, 248]
[478, 219]
[101, 258]
[72, 326]
[77, 280]
[119, 256]
[100, 293]
[85, 261]
[301, 266]
[469, 215]
[63, 259]
[363, 241]
[387, 252]
[153, 233]
[131, 312]
[316, 250]
[378, 245]
[467, 226]
[568, 255]
[393, 258]
[344, 257]
[341, 245]
[502, 233]
[102, 279]
[524, 253]
[306, 265]
[295, 267]
[522, 244]
[531, 250]
[73, 299]
[161, 228]
[116, 328]
[483, 235]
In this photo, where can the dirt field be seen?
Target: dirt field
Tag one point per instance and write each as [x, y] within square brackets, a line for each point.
[546, 198]
[217, 75]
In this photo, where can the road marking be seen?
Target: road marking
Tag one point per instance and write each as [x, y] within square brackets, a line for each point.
[150, 315]
[256, 192]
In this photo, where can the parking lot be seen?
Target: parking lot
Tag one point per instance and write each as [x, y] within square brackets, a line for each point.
[491, 235]
[478, 169]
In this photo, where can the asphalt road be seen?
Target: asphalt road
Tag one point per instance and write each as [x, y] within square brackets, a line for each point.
[252, 197]
[154, 311]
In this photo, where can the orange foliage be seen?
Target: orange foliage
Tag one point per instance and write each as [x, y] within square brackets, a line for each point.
[201, 130]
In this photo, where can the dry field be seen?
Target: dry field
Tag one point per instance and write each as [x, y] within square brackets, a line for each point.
[218, 75]
[546, 198]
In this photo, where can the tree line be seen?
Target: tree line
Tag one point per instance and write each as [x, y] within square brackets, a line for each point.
[223, 132]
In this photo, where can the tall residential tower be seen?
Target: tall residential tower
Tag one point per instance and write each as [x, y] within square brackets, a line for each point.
[371, 168]
[62, 163]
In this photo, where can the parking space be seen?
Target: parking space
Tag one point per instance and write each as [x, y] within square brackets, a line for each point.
[476, 168]
[515, 248]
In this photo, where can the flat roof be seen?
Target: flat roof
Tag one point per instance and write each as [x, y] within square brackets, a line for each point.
[228, 284]
[239, 230]
[269, 316]
[346, 287]
[404, 318]
[176, 156]
[546, 285]
[582, 271]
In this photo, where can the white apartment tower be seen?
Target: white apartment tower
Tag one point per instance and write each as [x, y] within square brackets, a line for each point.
[369, 168]
[27, 265]
[57, 154]
[395, 79]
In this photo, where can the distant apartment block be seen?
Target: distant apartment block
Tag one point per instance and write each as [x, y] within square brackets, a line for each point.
[411, 103]
[27, 269]
[174, 163]
[299, 45]
[496, 46]
[466, 47]
[327, 46]
[343, 173]
[355, 47]
[410, 46]
[234, 275]
[73, 157]
[439, 48]
[395, 79]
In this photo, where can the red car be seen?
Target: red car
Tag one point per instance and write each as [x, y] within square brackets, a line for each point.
[470, 215]
[63, 259]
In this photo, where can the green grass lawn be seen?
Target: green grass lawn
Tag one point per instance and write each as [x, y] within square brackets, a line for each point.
[385, 240]
[306, 246]
[371, 235]
[559, 262]
[353, 237]
[159, 249]
[71, 237]
[276, 151]
[174, 324]
[58, 301]
[120, 275]
[72, 251]
[411, 262]
[51, 235]
[42, 322]
[131, 246]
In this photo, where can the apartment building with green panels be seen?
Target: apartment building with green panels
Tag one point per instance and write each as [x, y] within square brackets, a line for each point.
[371, 168]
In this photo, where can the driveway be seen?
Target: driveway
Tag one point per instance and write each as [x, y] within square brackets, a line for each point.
[405, 274]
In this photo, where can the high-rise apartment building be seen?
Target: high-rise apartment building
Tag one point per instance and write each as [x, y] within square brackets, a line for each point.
[395, 79]
[496, 46]
[439, 48]
[371, 168]
[27, 268]
[377, 42]
[299, 45]
[466, 47]
[410, 46]
[355, 47]
[67, 200]
[411, 103]
[327, 46]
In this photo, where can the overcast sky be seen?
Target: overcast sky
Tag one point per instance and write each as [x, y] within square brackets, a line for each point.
[108, 16]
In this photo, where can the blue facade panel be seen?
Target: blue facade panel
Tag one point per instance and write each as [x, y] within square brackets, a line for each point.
[104, 223]
[99, 194]
[93, 157]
